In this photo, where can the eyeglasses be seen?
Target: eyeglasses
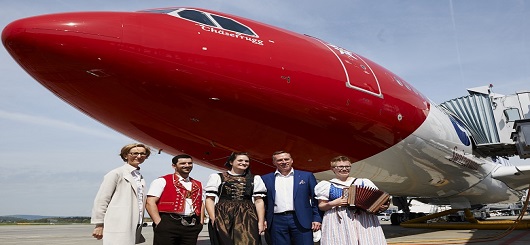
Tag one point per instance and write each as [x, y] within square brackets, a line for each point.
[342, 167]
[143, 154]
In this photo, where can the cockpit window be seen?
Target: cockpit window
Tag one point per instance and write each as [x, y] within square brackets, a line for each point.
[205, 18]
[232, 25]
[212, 20]
[196, 16]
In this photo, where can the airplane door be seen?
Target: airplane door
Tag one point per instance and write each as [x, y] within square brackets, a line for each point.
[358, 74]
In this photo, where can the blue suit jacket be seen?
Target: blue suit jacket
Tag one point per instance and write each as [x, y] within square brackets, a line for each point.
[305, 204]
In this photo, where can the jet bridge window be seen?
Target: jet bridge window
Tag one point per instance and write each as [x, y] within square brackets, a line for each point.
[232, 25]
[512, 114]
[196, 16]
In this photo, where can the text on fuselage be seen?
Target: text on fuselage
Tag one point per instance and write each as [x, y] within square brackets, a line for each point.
[231, 34]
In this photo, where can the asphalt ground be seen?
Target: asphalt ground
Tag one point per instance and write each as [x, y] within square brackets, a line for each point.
[81, 234]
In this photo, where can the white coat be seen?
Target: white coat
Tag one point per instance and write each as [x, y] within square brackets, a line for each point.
[116, 206]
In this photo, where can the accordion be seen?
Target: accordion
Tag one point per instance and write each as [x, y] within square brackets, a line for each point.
[366, 198]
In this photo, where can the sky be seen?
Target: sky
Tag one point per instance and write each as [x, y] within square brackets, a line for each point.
[53, 157]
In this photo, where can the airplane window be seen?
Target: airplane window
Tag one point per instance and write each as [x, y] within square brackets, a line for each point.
[232, 25]
[196, 16]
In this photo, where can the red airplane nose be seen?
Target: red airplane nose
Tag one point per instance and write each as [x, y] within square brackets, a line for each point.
[59, 49]
[49, 39]
[102, 25]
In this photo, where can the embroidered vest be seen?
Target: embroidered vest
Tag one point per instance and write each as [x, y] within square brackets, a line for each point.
[173, 198]
[236, 187]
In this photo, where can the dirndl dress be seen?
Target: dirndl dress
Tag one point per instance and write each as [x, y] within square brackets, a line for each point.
[343, 225]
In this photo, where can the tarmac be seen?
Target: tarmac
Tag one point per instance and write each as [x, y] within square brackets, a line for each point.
[82, 234]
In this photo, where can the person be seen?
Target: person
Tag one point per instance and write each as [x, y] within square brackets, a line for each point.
[119, 204]
[235, 219]
[291, 210]
[343, 224]
[174, 202]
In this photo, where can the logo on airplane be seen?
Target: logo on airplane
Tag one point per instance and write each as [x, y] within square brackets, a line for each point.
[460, 131]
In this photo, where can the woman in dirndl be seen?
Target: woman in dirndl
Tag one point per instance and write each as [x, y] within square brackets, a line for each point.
[342, 224]
[238, 217]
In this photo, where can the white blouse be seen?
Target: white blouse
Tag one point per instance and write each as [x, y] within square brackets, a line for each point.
[322, 188]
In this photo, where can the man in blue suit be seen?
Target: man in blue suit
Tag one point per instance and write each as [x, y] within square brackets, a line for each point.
[292, 212]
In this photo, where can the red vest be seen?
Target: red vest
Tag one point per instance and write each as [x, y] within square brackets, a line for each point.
[173, 198]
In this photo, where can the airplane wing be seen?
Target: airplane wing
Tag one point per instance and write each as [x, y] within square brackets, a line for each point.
[516, 177]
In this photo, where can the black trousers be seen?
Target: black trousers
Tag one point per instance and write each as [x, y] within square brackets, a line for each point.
[171, 230]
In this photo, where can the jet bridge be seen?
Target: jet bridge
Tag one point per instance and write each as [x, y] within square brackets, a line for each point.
[499, 124]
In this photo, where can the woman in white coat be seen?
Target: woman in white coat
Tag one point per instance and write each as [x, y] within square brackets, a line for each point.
[119, 204]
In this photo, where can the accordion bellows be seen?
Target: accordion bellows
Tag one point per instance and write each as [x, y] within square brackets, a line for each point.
[366, 198]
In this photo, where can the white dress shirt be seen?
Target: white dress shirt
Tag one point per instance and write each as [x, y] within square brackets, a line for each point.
[284, 184]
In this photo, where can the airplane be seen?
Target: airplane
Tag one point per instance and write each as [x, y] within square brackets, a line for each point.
[206, 83]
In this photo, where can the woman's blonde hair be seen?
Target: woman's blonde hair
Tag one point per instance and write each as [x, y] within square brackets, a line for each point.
[125, 150]
[339, 159]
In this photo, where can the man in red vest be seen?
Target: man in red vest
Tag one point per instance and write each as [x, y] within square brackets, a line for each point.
[174, 202]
